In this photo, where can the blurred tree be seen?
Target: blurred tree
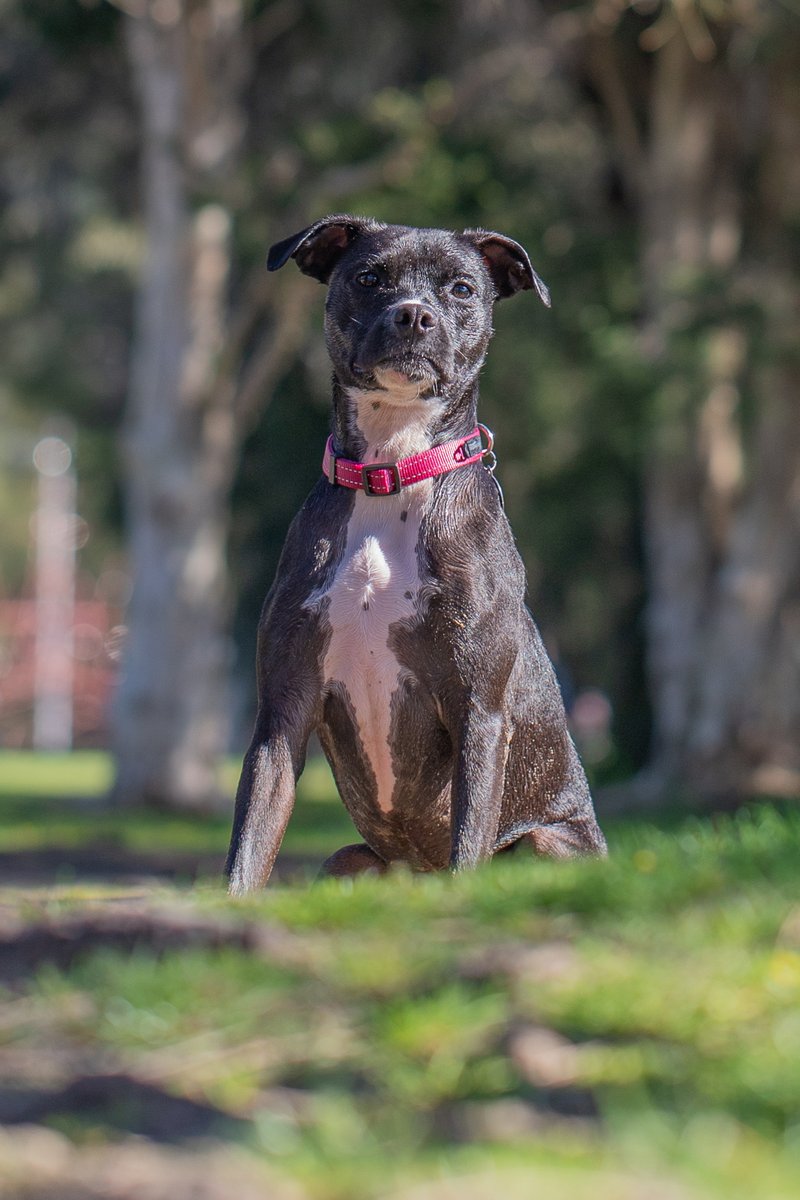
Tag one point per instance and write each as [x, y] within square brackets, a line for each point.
[69, 252]
[190, 402]
[703, 107]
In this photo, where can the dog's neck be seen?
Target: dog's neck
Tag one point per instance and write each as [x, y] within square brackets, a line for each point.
[385, 424]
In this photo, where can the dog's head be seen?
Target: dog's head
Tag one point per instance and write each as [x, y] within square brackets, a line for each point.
[408, 310]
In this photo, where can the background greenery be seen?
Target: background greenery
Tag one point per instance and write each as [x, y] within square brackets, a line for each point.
[644, 153]
[565, 391]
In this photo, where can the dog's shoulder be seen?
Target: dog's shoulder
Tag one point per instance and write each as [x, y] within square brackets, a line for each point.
[312, 548]
[467, 532]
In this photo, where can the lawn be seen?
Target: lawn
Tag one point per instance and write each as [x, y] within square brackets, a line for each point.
[608, 1030]
[53, 817]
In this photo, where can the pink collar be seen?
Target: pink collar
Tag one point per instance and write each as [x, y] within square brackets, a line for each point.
[389, 478]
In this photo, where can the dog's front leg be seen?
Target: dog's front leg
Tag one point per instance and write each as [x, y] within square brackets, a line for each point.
[264, 799]
[481, 753]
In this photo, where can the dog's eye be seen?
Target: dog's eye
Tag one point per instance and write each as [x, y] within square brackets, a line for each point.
[368, 279]
[462, 291]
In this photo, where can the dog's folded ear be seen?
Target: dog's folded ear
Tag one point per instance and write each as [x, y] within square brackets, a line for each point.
[317, 249]
[507, 263]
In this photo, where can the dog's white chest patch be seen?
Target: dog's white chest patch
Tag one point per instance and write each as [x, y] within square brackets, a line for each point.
[375, 586]
[377, 581]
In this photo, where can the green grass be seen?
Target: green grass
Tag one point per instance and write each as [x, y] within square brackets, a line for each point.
[57, 801]
[618, 1029]
[26, 775]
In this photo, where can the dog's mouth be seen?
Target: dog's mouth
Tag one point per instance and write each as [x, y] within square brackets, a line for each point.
[400, 371]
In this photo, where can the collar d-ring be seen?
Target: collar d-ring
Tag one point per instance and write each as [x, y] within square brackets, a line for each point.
[489, 459]
[487, 433]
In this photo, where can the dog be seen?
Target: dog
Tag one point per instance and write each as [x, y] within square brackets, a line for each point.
[396, 627]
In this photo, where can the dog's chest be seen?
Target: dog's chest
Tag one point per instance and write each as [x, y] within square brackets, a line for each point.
[376, 585]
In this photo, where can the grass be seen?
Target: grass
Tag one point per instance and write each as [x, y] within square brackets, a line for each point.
[611, 1030]
[24, 774]
[56, 801]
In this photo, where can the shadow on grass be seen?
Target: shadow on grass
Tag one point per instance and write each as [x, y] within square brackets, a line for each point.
[120, 1103]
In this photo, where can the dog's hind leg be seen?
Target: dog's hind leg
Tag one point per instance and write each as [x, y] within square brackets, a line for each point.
[357, 859]
[566, 839]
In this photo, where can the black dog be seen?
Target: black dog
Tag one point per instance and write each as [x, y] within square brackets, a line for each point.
[396, 626]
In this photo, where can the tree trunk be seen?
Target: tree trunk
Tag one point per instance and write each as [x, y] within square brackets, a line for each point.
[677, 199]
[180, 441]
[746, 733]
[722, 493]
[201, 375]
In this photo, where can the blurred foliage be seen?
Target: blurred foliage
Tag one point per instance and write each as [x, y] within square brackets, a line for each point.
[426, 113]
[487, 131]
[68, 149]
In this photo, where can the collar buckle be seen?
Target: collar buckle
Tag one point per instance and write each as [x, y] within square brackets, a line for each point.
[368, 468]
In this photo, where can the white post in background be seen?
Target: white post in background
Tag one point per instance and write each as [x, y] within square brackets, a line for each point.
[55, 595]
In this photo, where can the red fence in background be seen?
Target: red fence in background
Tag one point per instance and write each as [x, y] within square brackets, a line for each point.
[97, 641]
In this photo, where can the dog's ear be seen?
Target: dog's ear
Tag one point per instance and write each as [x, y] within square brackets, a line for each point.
[316, 250]
[507, 263]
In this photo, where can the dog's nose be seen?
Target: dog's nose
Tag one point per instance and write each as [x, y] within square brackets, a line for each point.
[413, 319]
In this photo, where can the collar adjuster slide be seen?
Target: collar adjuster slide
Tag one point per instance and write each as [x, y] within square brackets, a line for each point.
[369, 469]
